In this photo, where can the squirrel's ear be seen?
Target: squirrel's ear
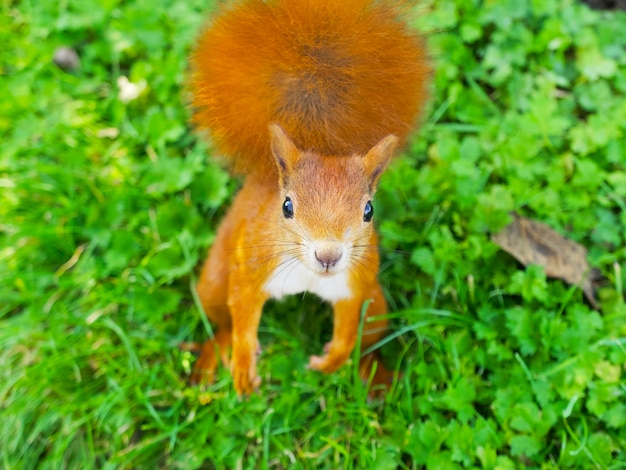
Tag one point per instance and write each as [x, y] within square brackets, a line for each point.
[284, 151]
[377, 159]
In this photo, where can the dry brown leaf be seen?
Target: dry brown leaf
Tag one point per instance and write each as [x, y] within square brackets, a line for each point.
[532, 242]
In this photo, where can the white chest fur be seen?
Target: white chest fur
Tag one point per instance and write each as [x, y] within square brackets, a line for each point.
[295, 278]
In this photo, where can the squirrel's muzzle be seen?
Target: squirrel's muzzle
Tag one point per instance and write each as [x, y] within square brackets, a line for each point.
[328, 256]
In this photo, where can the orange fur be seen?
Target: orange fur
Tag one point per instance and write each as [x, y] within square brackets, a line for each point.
[338, 76]
[344, 81]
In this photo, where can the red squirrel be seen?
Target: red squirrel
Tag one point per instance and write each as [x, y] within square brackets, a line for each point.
[308, 100]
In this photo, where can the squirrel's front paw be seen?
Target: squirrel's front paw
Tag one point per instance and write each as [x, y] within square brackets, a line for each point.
[243, 370]
[331, 361]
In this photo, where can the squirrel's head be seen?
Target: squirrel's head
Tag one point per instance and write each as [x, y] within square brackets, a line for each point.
[327, 202]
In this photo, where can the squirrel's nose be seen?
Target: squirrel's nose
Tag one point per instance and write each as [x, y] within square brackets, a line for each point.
[328, 258]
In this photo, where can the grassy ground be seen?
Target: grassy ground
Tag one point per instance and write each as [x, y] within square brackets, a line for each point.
[107, 207]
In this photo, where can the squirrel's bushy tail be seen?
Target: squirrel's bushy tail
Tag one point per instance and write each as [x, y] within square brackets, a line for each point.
[336, 75]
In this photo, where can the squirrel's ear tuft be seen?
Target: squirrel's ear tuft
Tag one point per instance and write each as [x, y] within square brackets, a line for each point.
[285, 152]
[377, 159]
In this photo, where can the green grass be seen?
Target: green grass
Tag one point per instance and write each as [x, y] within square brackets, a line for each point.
[101, 232]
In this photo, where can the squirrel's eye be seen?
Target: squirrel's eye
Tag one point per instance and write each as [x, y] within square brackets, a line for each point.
[368, 213]
[288, 208]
